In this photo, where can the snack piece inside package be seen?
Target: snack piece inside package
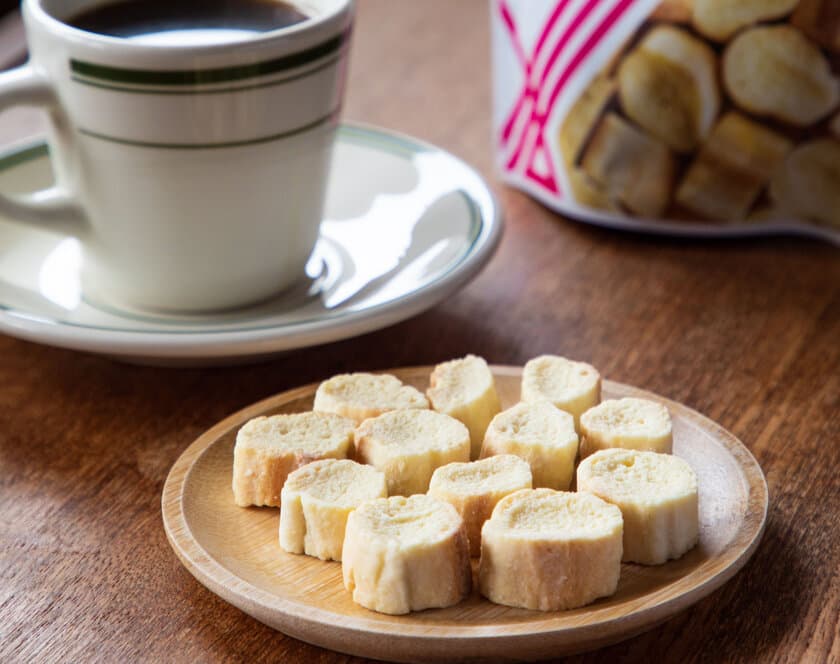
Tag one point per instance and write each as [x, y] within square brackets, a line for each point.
[711, 111]
[719, 20]
[667, 86]
[731, 169]
[777, 72]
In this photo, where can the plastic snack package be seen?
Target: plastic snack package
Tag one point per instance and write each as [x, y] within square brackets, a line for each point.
[709, 111]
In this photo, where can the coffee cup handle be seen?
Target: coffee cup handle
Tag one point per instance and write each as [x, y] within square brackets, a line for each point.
[52, 209]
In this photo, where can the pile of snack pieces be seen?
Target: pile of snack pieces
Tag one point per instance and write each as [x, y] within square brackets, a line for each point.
[726, 110]
[408, 508]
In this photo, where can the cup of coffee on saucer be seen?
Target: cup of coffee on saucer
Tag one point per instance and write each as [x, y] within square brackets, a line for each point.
[190, 140]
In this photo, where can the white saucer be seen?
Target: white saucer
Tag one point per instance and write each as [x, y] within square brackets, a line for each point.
[406, 225]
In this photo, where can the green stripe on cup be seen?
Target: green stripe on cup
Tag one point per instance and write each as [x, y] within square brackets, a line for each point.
[235, 87]
[195, 77]
[209, 146]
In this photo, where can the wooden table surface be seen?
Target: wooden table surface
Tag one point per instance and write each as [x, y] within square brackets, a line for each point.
[747, 332]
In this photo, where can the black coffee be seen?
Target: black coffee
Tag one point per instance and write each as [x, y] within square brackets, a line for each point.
[186, 21]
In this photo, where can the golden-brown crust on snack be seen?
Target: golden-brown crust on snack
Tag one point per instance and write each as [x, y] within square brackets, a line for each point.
[714, 191]
[589, 193]
[406, 554]
[475, 488]
[747, 146]
[550, 550]
[734, 165]
[583, 116]
[267, 449]
[633, 167]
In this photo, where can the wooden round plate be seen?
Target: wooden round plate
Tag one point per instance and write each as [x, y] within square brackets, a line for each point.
[234, 552]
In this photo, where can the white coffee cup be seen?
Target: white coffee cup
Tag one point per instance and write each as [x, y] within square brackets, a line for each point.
[193, 175]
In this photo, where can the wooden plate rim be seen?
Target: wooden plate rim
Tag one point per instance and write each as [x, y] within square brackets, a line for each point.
[633, 616]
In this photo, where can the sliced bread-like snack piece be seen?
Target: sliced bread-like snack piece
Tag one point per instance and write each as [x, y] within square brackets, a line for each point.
[657, 496]
[808, 183]
[550, 550]
[539, 433]
[629, 423]
[316, 501]
[363, 395]
[578, 124]
[408, 445]
[465, 389]
[714, 192]
[733, 167]
[589, 193]
[668, 86]
[269, 448]
[721, 19]
[776, 71]
[743, 145]
[406, 554]
[569, 385]
[632, 167]
[475, 488]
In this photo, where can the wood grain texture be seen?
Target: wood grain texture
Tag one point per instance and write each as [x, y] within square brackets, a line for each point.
[235, 553]
[745, 332]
